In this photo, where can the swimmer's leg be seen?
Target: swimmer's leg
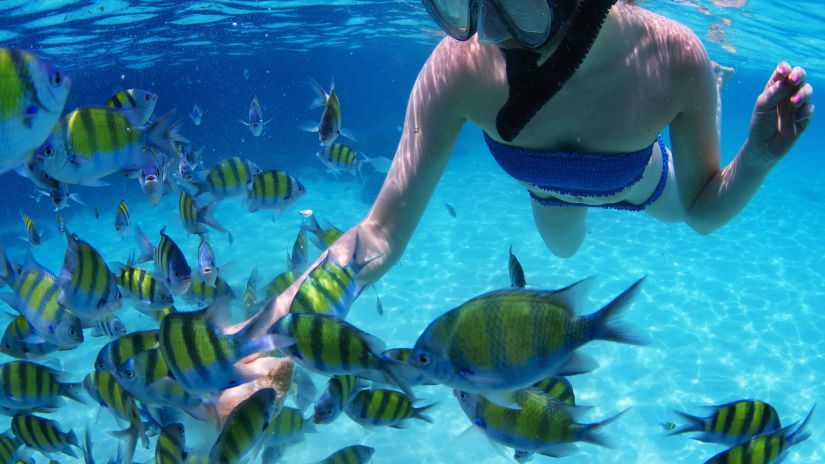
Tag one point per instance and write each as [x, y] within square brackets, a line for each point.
[561, 227]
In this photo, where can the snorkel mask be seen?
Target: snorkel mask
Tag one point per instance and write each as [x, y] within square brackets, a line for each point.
[531, 23]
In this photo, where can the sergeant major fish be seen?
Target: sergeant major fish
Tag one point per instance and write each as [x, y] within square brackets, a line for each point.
[31, 231]
[43, 435]
[34, 296]
[339, 391]
[207, 268]
[87, 286]
[31, 99]
[14, 342]
[377, 407]
[169, 261]
[298, 259]
[94, 141]
[322, 236]
[193, 214]
[122, 219]
[27, 386]
[244, 427]
[273, 190]
[228, 178]
[256, 122]
[509, 339]
[732, 423]
[104, 389]
[330, 125]
[171, 445]
[356, 454]
[137, 104]
[141, 285]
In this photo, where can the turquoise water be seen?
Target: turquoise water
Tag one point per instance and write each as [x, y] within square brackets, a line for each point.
[737, 314]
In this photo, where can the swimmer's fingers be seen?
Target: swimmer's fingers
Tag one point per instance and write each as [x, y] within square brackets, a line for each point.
[803, 116]
[782, 70]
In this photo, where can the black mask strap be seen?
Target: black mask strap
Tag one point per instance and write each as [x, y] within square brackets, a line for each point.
[530, 85]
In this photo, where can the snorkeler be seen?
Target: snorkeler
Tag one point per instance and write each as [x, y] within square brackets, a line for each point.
[572, 96]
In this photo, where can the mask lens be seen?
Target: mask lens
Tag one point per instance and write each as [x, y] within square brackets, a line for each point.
[530, 20]
[453, 16]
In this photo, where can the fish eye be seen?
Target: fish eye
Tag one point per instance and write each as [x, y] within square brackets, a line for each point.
[56, 78]
[72, 332]
[423, 359]
[6, 346]
[48, 151]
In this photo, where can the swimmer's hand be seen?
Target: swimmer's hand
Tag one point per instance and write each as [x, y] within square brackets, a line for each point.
[781, 114]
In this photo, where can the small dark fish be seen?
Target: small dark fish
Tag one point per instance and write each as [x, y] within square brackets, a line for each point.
[122, 218]
[378, 306]
[516, 272]
[450, 209]
[97, 211]
[196, 115]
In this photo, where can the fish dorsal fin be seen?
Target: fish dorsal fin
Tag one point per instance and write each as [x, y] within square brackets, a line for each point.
[572, 296]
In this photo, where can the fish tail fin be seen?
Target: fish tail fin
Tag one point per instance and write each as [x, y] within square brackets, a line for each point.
[394, 370]
[129, 436]
[591, 432]
[207, 216]
[800, 434]
[310, 224]
[601, 320]
[7, 272]
[162, 133]
[74, 391]
[418, 413]
[695, 424]
[147, 250]
[321, 95]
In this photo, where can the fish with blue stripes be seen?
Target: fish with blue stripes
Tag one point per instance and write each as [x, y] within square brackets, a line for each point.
[380, 407]
[732, 423]
[87, 287]
[330, 346]
[356, 454]
[230, 177]
[34, 295]
[170, 263]
[103, 387]
[509, 339]
[28, 386]
[171, 445]
[32, 236]
[194, 215]
[122, 219]
[273, 190]
[142, 286]
[14, 341]
[44, 435]
[339, 391]
[256, 122]
[541, 425]
[201, 357]
[137, 104]
[768, 448]
[94, 141]
[33, 93]
[244, 427]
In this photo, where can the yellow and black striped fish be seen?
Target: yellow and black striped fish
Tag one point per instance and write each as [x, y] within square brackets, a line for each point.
[249, 295]
[280, 283]
[356, 454]
[27, 386]
[244, 427]
[339, 391]
[171, 445]
[8, 448]
[136, 103]
[204, 293]
[331, 346]
[330, 288]
[122, 219]
[200, 356]
[31, 231]
[102, 386]
[384, 407]
[170, 263]
[32, 96]
[141, 284]
[117, 352]
[43, 435]
[288, 427]
[87, 287]
[193, 215]
[732, 423]
[34, 296]
[94, 141]
[298, 259]
[228, 178]
[14, 342]
[340, 157]
[273, 190]
[322, 236]
[557, 387]
[768, 448]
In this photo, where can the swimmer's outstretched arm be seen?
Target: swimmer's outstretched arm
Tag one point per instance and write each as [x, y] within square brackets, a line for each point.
[711, 196]
[431, 127]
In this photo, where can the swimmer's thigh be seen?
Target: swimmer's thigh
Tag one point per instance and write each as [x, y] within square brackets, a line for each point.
[561, 227]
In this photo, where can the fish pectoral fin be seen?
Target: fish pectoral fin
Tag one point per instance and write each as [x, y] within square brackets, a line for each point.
[559, 450]
[577, 363]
